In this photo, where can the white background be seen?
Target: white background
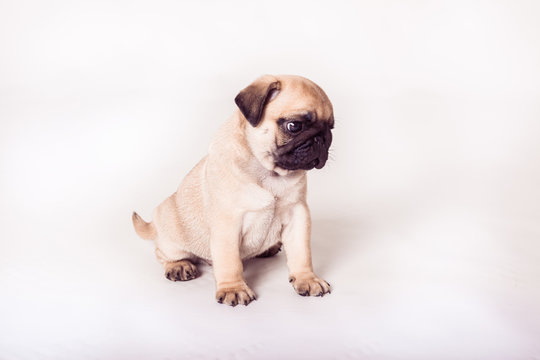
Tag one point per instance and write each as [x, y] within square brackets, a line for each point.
[426, 220]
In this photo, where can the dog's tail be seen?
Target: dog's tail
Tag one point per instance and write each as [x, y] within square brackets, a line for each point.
[145, 230]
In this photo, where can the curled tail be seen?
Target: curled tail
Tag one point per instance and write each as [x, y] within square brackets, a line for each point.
[145, 230]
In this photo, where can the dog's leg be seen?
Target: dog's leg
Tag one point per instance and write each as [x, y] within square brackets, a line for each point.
[231, 288]
[178, 270]
[296, 240]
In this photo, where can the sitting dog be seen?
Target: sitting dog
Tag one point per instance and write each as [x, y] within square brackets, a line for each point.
[247, 197]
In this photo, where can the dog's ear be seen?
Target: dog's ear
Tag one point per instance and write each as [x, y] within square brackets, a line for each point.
[252, 100]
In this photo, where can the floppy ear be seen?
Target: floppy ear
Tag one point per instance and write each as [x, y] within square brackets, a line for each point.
[252, 100]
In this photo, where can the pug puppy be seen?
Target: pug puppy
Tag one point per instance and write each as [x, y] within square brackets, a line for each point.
[247, 197]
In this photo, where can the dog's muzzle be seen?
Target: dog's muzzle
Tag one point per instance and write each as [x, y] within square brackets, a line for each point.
[304, 153]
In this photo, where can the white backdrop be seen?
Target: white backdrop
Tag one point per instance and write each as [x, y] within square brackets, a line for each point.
[426, 220]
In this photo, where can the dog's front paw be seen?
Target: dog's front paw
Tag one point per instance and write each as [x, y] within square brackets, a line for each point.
[309, 284]
[235, 293]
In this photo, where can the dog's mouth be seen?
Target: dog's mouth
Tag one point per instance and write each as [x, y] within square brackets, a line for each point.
[292, 166]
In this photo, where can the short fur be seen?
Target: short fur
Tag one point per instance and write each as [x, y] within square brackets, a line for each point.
[248, 194]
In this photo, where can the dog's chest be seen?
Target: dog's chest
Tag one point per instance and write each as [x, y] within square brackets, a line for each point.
[262, 228]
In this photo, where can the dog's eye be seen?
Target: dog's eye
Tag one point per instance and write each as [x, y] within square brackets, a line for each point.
[294, 127]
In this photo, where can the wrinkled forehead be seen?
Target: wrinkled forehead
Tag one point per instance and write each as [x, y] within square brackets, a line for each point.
[299, 97]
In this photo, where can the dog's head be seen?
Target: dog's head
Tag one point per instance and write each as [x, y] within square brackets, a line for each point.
[289, 121]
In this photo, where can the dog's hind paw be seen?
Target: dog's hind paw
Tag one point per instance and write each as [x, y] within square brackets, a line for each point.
[181, 270]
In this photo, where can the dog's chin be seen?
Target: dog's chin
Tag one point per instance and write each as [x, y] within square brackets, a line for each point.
[282, 172]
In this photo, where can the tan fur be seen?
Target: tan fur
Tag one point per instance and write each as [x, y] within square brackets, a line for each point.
[236, 204]
[145, 230]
